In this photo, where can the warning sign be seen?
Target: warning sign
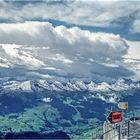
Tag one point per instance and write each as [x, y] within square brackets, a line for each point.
[115, 117]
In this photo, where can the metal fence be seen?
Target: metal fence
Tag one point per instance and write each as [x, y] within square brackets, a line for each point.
[113, 132]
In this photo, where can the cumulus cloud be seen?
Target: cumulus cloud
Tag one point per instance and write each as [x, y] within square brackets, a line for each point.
[69, 52]
[72, 42]
[68, 41]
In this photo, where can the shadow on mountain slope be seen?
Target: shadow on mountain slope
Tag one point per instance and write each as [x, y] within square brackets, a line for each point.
[35, 135]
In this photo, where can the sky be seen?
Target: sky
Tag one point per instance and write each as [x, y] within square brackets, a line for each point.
[94, 40]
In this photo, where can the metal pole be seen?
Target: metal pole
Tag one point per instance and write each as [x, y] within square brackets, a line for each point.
[128, 128]
[120, 131]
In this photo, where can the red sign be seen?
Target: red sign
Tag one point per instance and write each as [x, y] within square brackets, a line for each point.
[115, 117]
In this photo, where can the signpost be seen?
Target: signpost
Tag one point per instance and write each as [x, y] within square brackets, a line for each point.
[123, 105]
[115, 117]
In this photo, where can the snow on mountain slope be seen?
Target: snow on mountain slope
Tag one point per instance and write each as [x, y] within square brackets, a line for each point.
[26, 86]
[98, 87]
[81, 85]
[15, 86]
[120, 85]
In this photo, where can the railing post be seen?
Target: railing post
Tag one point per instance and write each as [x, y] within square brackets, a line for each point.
[128, 128]
[120, 133]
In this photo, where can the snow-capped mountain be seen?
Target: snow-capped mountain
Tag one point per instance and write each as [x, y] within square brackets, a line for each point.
[92, 87]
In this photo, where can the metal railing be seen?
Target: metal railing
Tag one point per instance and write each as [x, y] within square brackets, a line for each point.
[115, 132]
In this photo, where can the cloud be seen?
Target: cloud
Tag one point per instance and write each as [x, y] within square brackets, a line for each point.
[136, 26]
[11, 56]
[61, 39]
[94, 13]
[69, 52]
[72, 42]
[132, 58]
